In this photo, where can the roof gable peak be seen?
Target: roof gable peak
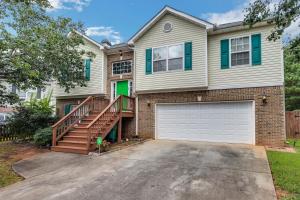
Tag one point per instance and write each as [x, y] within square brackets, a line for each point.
[163, 12]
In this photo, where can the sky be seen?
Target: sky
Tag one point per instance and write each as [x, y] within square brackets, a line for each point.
[118, 20]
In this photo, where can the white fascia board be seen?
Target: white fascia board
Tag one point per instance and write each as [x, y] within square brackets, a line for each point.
[148, 25]
[88, 39]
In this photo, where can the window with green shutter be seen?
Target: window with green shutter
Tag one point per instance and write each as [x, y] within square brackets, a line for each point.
[87, 70]
[188, 56]
[256, 49]
[67, 108]
[149, 61]
[224, 54]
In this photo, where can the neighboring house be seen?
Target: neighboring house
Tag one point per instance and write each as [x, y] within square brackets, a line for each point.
[193, 80]
[39, 93]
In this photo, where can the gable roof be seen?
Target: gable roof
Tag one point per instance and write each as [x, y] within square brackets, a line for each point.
[162, 13]
[88, 39]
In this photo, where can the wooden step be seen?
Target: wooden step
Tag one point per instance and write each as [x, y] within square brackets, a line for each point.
[78, 131]
[80, 128]
[67, 149]
[77, 134]
[75, 138]
[83, 125]
[89, 118]
[71, 143]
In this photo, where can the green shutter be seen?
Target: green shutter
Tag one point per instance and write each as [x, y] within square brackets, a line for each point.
[149, 61]
[225, 54]
[188, 56]
[67, 108]
[256, 49]
[87, 69]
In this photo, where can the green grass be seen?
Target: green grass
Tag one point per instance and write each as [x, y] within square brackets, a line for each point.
[7, 175]
[285, 169]
[297, 144]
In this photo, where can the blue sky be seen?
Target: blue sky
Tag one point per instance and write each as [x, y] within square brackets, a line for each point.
[118, 20]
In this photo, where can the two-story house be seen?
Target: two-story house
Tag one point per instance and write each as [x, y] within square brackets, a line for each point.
[189, 79]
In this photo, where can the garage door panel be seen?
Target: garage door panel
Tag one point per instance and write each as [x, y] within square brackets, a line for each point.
[215, 122]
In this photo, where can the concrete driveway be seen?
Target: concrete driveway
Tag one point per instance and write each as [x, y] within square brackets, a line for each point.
[155, 170]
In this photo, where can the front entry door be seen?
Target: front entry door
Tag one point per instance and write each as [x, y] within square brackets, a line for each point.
[122, 88]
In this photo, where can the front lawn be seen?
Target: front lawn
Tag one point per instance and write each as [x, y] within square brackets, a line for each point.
[7, 175]
[285, 169]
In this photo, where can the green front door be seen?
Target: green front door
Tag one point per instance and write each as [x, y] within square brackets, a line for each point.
[122, 89]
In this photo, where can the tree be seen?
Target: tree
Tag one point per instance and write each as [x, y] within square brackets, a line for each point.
[282, 14]
[292, 75]
[36, 48]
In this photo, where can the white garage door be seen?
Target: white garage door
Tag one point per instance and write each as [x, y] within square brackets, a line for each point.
[231, 122]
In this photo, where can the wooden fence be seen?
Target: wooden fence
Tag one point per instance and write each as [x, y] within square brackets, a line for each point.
[292, 120]
[6, 133]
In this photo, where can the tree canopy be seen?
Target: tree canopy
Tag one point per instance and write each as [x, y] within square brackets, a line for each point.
[36, 48]
[292, 75]
[280, 13]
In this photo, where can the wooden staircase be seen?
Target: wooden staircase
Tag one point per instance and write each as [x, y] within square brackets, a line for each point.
[77, 131]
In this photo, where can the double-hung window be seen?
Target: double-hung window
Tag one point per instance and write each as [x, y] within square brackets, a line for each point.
[240, 51]
[122, 67]
[168, 58]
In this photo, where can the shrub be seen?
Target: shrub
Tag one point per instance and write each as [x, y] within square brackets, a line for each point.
[43, 137]
[31, 116]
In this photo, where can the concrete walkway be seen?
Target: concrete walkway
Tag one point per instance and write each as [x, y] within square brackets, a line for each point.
[155, 170]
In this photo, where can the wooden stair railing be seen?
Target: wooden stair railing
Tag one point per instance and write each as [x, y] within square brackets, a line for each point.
[67, 122]
[108, 118]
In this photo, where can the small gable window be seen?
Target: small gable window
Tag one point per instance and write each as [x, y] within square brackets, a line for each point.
[122, 67]
[168, 58]
[240, 51]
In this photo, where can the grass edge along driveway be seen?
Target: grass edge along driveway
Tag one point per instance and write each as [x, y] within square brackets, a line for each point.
[285, 169]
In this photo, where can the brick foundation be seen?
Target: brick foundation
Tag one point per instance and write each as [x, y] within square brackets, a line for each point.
[269, 117]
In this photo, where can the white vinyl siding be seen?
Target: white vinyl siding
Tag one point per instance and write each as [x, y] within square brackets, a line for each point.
[97, 73]
[269, 73]
[183, 31]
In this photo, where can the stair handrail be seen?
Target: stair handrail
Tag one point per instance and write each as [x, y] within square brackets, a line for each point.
[117, 108]
[104, 111]
[60, 128]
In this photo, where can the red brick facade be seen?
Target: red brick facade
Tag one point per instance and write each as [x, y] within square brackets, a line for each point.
[269, 116]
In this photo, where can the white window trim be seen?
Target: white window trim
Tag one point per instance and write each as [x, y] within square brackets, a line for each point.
[167, 59]
[250, 52]
[112, 67]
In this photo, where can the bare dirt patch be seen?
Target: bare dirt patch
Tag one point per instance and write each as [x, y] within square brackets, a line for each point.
[282, 149]
[11, 152]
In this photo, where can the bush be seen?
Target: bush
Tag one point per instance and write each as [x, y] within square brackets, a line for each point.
[43, 137]
[31, 116]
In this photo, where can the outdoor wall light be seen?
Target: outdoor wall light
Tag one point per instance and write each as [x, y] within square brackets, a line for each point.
[121, 55]
[148, 103]
[264, 99]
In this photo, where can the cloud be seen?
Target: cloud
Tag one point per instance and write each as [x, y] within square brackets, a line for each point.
[106, 32]
[237, 14]
[293, 30]
[77, 5]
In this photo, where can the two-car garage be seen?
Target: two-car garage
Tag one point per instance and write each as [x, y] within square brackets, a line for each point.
[230, 122]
